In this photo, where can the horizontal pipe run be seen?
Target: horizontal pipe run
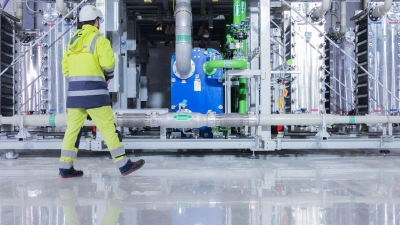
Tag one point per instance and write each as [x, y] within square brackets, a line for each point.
[211, 67]
[195, 120]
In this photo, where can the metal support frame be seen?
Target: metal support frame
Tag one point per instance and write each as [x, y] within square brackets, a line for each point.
[259, 74]
[334, 142]
[264, 132]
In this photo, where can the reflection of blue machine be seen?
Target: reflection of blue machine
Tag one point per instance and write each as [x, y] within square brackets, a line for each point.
[202, 215]
[203, 93]
[198, 92]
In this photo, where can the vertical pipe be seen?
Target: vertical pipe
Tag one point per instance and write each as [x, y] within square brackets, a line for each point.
[18, 9]
[243, 81]
[183, 37]
[62, 8]
[342, 18]
[243, 17]
[236, 11]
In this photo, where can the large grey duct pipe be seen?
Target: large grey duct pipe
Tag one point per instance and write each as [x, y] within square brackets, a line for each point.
[183, 37]
[62, 9]
[319, 12]
[383, 9]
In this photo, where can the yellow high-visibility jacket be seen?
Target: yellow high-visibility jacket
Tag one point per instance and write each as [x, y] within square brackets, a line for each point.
[88, 61]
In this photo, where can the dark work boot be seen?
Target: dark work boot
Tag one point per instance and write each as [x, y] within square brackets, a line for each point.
[68, 173]
[131, 167]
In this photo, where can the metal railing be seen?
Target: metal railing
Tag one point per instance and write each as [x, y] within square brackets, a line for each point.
[22, 54]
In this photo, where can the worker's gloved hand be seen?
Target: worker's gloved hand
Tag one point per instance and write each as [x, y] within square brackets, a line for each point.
[88, 117]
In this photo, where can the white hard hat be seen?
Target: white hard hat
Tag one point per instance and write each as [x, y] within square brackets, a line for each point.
[88, 13]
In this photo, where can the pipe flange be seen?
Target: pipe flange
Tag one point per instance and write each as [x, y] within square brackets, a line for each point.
[314, 18]
[153, 119]
[371, 17]
[212, 119]
[183, 76]
[253, 121]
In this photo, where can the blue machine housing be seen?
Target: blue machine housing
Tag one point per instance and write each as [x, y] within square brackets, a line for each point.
[209, 97]
[201, 93]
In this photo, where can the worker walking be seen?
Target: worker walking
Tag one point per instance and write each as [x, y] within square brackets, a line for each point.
[88, 64]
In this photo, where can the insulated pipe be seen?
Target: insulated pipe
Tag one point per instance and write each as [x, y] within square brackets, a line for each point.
[382, 10]
[62, 9]
[366, 4]
[183, 37]
[343, 9]
[319, 12]
[342, 31]
[193, 120]
[317, 119]
[56, 120]
[18, 9]
[133, 120]
[210, 67]
[333, 21]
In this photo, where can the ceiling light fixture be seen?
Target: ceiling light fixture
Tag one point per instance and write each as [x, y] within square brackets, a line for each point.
[148, 1]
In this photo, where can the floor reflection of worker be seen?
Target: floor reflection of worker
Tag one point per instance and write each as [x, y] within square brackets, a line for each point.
[69, 202]
[121, 192]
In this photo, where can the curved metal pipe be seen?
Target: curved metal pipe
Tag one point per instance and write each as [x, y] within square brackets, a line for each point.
[183, 37]
[319, 13]
[62, 9]
[383, 9]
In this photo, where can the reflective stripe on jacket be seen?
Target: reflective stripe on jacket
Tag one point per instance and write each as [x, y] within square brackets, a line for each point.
[87, 62]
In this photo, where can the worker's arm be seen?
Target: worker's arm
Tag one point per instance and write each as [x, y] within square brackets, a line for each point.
[106, 57]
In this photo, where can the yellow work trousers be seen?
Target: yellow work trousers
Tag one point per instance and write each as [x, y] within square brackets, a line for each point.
[103, 118]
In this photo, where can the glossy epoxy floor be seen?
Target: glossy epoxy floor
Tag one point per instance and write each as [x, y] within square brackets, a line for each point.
[205, 188]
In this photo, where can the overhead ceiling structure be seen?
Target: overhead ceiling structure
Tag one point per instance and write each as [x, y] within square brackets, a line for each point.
[207, 15]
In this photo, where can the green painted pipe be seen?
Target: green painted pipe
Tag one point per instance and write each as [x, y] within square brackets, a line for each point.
[243, 17]
[236, 11]
[211, 67]
[242, 95]
[243, 81]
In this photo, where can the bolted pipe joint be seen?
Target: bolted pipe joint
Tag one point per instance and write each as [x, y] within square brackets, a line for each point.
[318, 13]
[377, 12]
